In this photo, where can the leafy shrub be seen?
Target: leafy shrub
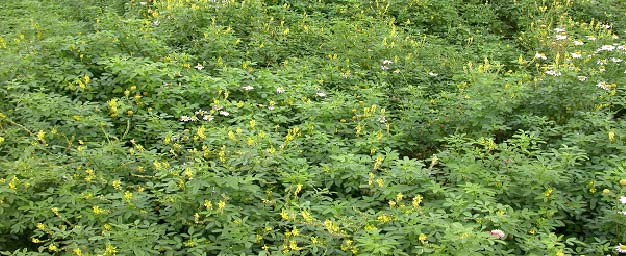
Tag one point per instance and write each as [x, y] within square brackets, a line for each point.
[350, 127]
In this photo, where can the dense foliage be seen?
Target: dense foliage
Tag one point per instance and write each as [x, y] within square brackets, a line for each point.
[343, 127]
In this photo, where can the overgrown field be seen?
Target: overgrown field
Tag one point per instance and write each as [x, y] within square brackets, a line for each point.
[330, 127]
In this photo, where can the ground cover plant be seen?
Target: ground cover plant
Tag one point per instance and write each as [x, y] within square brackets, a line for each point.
[343, 127]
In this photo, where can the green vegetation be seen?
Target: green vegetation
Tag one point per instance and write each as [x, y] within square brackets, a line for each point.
[330, 127]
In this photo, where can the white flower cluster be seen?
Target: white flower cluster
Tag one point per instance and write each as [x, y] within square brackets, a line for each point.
[386, 64]
[553, 72]
[197, 116]
[541, 56]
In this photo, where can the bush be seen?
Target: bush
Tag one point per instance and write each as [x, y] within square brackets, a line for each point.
[383, 127]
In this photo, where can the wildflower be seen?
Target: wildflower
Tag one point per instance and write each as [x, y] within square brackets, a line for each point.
[320, 94]
[387, 62]
[606, 47]
[602, 85]
[553, 73]
[110, 250]
[41, 135]
[382, 119]
[270, 107]
[185, 118]
[559, 30]
[194, 118]
[582, 78]
[156, 23]
[200, 112]
[200, 132]
[53, 248]
[280, 90]
[622, 199]
[497, 234]
[591, 38]
[117, 184]
[622, 47]
[622, 182]
[224, 113]
[41, 226]
[432, 74]
[384, 68]
[128, 195]
[417, 200]
[217, 107]
[615, 60]
[578, 43]
[541, 56]
[423, 238]
[605, 26]
[576, 55]
[560, 37]
[247, 88]
[621, 248]
[97, 210]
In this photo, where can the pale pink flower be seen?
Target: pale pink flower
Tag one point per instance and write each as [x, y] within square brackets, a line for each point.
[497, 233]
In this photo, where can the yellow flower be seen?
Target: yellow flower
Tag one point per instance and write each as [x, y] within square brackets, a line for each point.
[117, 184]
[331, 227]
[611, 135]
[284, 215]
[128, 195]
[416, 201]
[41, 135]
[548, 192]
[221, 204]
[208, 205]
[200, 132]
[293, 245]
[110, 250]
[78, 252]
[97, 210]
[298, 189]
[1, 140]
[14, 182]
[380, 182]
[306, 216]
[53, 248]
[41, 226]
[384, 218]
[423, 238]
